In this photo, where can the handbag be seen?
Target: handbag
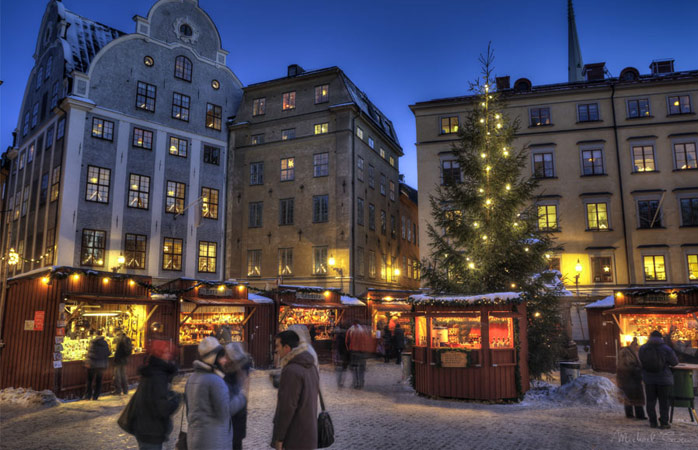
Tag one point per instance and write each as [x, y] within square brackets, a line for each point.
[325, 429]
[126, 417]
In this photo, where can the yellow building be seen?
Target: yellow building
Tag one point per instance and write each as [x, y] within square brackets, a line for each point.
[616, 158]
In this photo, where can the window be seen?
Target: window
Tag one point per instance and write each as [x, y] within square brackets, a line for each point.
[381, 151]
[655, 269]
[648, 214]
[207, 256]
[138, 191]
[102, 129]
[289, 101]
[371, 264]
[179, 147]
[287, 169]
[50, 247]
[18, 203]
[97, 184]
[183, 68]
[49, 138]
[601, 270]
[371, 179]
[588, 112]
[592, 162]
[286, 211]
[175, 197]
[254, 263]
[22, 159]
[319, 260]
[54, 95]
[185, 30]
[256, 173]
[685, 155]
[55, 183]
[392, 190]
[35, 114]
[643, 158]
[543, 165]
[43, 193]
[60, 129]
[255, 219]
[145, 96]
[392, 161]
[286, 261]
[257, 139]
[414, 234]
[25, 200]
[638, 108]
[449, 125]
[361, 266]
[321, 164]
[393, 227]
[320, 208]
[25, 129]
[359, 133]
[384, 267]
[692, 263]
[403, 233]
[30, 152]
[321, 128]
[143, 138]
[539, 116]
[93, 245]
[373, 145]
[360, 211]
[209, 203]
[39, 77]
[214, 116]
[49, 67]
[135, 250]
[680, 104]
[382, 184]
[288, 134]
[450, 172]
[597, 216]
[547, 217]
[689, 212]
[172, 254]
[383, 221]
[212, 155]
[259, 106]
[371, 216]
[180, 106]
[322, 93]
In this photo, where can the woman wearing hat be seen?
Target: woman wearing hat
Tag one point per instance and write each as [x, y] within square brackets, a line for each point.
[236, 372]
[210, 404]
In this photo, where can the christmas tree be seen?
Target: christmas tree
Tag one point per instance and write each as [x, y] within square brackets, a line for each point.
[485, 236]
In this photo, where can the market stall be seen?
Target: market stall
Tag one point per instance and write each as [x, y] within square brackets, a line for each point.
[470, 347]
[389, 307]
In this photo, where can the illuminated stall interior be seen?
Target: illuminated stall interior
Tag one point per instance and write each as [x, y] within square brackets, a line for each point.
[683, 327]
[208, 321]
[322, 319]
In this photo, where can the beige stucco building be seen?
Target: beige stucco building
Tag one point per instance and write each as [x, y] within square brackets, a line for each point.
[616, 158]
[315, 188]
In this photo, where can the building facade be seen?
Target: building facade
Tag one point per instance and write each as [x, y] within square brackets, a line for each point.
[120, 157]
[315, 191]
[616, 159]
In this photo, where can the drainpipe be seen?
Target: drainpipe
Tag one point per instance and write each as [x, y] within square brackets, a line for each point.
[629, 263]
[352, 273]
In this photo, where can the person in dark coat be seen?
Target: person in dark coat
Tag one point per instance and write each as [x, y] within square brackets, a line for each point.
[398, 342]
[340, 354]
[122, 351]
[154, 401]
[387, 343]
[97, 360]
[236, 376]
[658, 384]
[295, 419]
[629, 380]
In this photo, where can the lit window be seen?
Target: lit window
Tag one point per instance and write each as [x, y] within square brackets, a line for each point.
[180, 106]
[50, 247]
[214, 116]
[539, 116]
[179, 147]
[172, 254]
[449, 125]
[288, 134]
[601, 270]
[145, 96]
[381, 152]
[289, 101]
[685, 155]
[55, 183]
[102, 129]
[655, 269]
[588, 112]
[257, 139]
[183, 67]
[638, 108]
[207, 256]
[142, 138]
[321, 128]
[359, 132]
[392, 161]
[321, 164]
[209, 203]
[176, 194]
[592, 162]
[597, 216]
[319, 260]
[259, 106]
[97, 184]
[138, 191]
[643, 158]
[547, 217]
[287, 169]
[322, 93]
[680, 104]
[135, 249]
[93, 245]
[286, 261]
[254, 263]
[692, 261]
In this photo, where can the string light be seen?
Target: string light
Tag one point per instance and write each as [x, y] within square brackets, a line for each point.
[482, 120]
[483, 155]
[471, 265]
[484, 237]
[499, 125]
[506, 152]
[131, 283]
[475, 224]
[526, 249]
[105, 280]
[488, 202]
[497, 116]
[482, 191]
[508, 186]
[488, 168]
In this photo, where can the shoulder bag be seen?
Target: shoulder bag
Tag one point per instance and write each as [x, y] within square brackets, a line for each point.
[325, 429]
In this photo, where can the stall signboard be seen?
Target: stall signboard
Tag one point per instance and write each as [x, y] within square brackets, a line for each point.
[28, 325]
[316, 296]
[660, 298]
[215, 292]
[60, 331]
[57, 364]
[39, 317]
[454, 359]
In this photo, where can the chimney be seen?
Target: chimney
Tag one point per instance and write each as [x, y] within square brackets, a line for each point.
[295, 70]
[661, 66]
[502, 83]
[594, 72]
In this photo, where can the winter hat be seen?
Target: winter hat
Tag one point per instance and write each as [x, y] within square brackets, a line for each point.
[655, 333]
[235, 352]
[162, 349]
[209, 348]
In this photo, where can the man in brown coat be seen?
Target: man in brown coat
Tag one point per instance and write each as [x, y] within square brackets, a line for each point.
[295, 419]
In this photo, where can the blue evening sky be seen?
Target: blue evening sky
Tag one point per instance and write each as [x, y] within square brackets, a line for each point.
[398, 51]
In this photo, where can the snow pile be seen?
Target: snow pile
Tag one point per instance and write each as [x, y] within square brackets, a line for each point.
[28, 397]
[587, 390]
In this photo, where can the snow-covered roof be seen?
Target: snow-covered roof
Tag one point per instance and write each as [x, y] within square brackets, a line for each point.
[163, 297]
[557, 285]
[362, 101]
[310, 288]
[352, 301]
[84, 38]
[474, 299]
[258, 298]
[608, 302]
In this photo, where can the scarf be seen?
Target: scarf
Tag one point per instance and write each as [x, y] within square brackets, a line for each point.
[302, 347]
[208, 368]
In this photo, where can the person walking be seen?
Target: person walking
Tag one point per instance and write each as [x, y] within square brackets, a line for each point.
[98, 355]
[123, 349]
[629, 380]
[237, 371]
[155, 402]
[295, 418]
[210, 404]
[398, 342]
[657, 358]
[387, 343]
[340, 354]
[360, 343]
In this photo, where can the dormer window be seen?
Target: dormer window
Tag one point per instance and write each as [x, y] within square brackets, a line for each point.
[186, 30]
[183, 67]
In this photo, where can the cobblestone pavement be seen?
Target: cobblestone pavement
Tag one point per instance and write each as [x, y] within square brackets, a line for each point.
[385, 415]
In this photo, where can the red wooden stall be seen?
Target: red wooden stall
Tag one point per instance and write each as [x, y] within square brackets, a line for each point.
[471, 347]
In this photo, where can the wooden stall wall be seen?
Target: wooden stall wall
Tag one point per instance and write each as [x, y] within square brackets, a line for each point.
[603, 339]
[261, 329]
[352, 313]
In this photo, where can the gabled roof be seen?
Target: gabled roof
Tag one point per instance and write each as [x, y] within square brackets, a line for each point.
[84, 38]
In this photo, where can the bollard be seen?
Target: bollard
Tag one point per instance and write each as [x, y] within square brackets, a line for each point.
[406, 365]
[569, 371]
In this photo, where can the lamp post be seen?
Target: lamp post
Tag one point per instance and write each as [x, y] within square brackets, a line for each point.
[331, 261]
[578, 269]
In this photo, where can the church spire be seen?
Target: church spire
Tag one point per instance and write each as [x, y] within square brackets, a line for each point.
[574, 54]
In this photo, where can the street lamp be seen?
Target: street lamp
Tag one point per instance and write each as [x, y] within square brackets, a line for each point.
[578, 269]
[331, 261]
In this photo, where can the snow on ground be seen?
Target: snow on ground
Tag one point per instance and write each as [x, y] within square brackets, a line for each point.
[28, 397]
[587, 390]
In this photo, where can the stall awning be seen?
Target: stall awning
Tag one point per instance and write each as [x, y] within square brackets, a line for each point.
[636, 309]
[219, 301]
[316, 305]
[392, 306]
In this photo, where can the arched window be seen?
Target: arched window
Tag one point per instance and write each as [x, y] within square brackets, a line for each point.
[185, 30]
[183, 68]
